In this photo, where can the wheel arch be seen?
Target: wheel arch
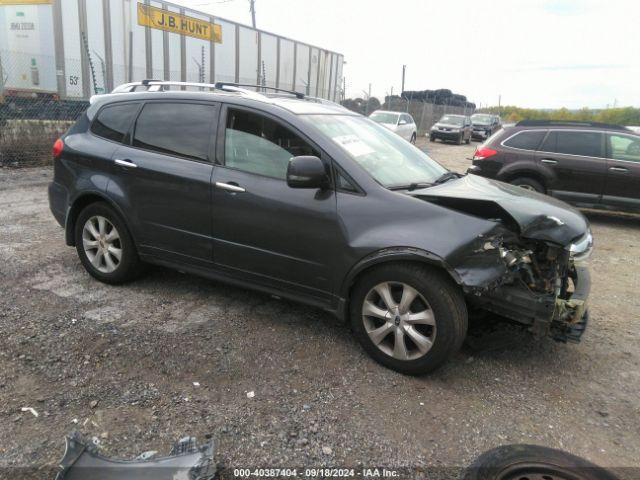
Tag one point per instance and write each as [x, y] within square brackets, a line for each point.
[82, 201]
[509, 175]
[385, 257]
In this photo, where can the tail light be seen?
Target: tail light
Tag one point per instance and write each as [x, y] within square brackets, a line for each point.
[58, 146]
[484, 152]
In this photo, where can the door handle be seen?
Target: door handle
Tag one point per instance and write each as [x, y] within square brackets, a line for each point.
[549, 161]
[619, 169]
[230, 187]
[125, 163]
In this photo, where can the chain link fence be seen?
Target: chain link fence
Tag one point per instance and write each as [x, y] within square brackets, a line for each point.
[425, 114]
[32, 114]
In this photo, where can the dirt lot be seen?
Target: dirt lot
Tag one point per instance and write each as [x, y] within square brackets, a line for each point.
[122, 362]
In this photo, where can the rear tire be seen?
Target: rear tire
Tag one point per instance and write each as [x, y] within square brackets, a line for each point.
[437, 313]
[460, 139]
[105, 246]
[528, 183]
[432, 138]
[533, 461]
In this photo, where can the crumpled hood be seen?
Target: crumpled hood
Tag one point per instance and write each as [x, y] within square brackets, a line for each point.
[536, 216]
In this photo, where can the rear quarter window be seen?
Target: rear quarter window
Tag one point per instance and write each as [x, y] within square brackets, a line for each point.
[526, 140]
[113, 121]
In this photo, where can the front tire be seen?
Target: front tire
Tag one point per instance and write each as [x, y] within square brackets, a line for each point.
[413, 139]
[408, 317]
[105, 246]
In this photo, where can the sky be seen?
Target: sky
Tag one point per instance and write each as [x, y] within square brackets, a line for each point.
[530, 53]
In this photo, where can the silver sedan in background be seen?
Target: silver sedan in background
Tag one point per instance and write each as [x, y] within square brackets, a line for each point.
[397, 122]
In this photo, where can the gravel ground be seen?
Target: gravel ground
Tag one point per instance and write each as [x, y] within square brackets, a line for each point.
[122, 362]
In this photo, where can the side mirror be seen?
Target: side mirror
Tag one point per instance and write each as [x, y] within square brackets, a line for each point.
[307, 172]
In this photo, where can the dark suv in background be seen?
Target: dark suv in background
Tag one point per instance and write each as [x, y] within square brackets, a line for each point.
[591, 165]
[453, 128]
[484, 125]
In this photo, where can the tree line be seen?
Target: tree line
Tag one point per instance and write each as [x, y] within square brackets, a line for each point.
[618, 116]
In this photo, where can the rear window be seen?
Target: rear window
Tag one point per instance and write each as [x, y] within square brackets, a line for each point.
[526, 140]
[585, 144]
[178, 129]
[113, 121]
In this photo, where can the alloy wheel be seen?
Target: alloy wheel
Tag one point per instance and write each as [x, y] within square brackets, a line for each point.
[101, 243]
[527, 187]
[399, 320]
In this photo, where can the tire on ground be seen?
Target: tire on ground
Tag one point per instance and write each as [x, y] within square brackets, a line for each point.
[130, 265]
[533, 461]
[445, 299]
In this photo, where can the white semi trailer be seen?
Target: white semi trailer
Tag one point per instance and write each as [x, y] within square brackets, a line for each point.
[77, 48]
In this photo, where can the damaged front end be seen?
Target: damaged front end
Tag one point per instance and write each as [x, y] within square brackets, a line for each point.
[528, 267]
[186, 461]
[538, 284]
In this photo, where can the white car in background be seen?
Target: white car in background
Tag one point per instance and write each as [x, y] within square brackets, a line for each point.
[397, 122]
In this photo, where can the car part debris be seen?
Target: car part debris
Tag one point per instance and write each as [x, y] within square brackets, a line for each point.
[186, 461]
[32, 410]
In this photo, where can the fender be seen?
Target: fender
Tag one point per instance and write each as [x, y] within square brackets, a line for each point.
[526, 168]
[394, 254]
[78, 203]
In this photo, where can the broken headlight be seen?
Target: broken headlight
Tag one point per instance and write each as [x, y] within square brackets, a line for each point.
[581, 249]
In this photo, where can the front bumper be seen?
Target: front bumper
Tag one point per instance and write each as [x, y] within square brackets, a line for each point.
[481, 134]
[563, 320]
[445, 135]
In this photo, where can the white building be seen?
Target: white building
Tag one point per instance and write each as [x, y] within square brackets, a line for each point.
[77, 48]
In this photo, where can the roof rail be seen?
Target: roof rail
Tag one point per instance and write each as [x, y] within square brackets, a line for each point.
[150, 85]
[222, 85]
[568, 123]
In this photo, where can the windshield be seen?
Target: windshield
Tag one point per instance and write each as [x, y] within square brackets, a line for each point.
[388, 158]
[384, 117]
[481, 119]
[452, 120]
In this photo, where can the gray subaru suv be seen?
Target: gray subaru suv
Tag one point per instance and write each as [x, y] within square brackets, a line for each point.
[303, 199]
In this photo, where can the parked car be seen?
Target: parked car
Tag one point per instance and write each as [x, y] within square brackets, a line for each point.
[454, 128]
[317, 204]
[591, 165]
[484, 125]
[400, 123]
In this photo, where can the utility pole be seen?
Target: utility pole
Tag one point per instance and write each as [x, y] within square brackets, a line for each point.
[252, 7]
[404, 70]
[499, 102]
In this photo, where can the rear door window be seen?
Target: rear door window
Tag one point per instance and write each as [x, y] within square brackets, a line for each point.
[624, 147]
[584, 144]
[177, 129]
[256, 144]
[113, 121]
[526, 140]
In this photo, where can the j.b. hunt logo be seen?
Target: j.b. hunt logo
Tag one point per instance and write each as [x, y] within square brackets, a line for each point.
[182, 24]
